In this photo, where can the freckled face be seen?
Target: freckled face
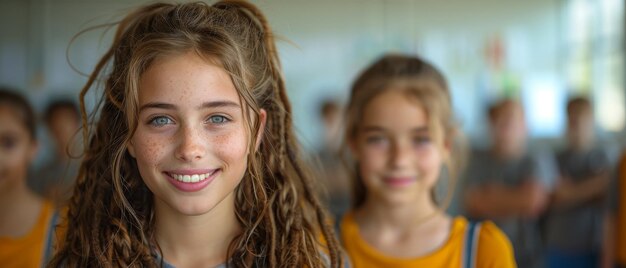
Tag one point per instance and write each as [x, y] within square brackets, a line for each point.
[191, 143]
[399, 160]
[17, 149]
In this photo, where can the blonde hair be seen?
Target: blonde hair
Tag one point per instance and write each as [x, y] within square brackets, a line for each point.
[111, 217]
[420, 81]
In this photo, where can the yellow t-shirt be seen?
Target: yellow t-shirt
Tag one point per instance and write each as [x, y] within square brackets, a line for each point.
[29, 250]
[494, 248]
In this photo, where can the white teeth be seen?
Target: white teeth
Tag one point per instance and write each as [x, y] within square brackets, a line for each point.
[191, 178]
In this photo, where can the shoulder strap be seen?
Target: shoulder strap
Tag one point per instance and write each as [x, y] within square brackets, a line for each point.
[470, 245]
[50, 239]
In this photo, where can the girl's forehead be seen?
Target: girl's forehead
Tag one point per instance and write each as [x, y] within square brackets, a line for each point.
[391, 101]
[186, 79]
[394, 108]
[11, 119]
[11, 113]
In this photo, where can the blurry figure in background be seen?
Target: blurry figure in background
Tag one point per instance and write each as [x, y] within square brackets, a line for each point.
[26, 221]
[334, 179]
[575, 219]
[401, 133]
[614, 251]
[56, 178]
[508, 184]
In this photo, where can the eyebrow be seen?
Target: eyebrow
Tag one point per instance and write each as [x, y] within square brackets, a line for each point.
[169, 106]
[378, 128]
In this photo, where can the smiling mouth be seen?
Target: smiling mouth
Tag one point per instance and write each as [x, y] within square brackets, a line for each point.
[399, 181]
[191, 178]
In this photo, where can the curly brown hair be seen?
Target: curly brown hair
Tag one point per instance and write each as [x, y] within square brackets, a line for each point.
[111, 217]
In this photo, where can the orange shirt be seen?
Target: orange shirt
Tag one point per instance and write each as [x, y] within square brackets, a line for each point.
[29, 250]
[494, 248]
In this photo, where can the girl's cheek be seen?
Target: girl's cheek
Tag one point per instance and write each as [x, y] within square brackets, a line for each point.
[155, 148]
[149, 149]
[374, 162]
[17, 159]
[430, 162]
[231, 146]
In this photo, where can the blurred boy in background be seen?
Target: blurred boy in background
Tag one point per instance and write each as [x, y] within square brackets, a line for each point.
[575, 219]
[508, 184]
[56, 178]
[333, 177]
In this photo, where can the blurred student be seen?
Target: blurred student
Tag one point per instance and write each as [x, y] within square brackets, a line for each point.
[575, 219]
[508, 184]
[401, 134]
[614, 251]
[334, 180]
[56, 178]
[27, 221]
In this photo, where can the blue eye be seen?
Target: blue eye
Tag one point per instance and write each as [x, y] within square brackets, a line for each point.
[375, 139]
[160, 121]
[218, 119]
[421, 140]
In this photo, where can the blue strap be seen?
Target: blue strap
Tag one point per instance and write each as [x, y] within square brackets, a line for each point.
[49, 240]
[469, 256]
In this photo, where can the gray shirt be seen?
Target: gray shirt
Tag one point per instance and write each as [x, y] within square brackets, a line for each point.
[57, 174]
[578, 229]
[485, 168]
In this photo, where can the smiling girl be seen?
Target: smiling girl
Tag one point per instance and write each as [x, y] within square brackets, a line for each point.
[401, 134]
[27, 222]
[193, 162]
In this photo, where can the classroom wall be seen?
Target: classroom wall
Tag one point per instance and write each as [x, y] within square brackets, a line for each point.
[324, 45]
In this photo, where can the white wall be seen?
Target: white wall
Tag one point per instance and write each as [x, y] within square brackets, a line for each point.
[338, 38]
[333, 40]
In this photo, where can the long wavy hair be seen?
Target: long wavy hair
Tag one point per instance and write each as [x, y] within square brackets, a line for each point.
[422, 82]
[111, 214]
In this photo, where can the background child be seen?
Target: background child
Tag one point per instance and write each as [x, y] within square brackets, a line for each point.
[510, 185]
[27, 224]
[575, 220]
[401, 133]
[56, 178]
[333, 178]
[193, 161]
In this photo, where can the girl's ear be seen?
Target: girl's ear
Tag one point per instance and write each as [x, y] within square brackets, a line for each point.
[259, 135]
[131, 148]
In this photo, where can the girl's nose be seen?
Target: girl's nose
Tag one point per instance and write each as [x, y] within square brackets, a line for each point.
[191, 145]
[400, 155]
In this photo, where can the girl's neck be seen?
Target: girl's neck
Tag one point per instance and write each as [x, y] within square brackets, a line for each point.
[20, 207]
[385, 215]
[406, 231]
[196, 241]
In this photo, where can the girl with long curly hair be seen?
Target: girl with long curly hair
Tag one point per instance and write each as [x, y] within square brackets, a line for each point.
[193, 161]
